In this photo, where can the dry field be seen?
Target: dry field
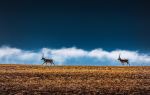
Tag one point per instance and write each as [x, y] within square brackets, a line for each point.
[74, 80]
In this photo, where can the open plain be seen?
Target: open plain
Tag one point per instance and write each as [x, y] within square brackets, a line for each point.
[77, 80]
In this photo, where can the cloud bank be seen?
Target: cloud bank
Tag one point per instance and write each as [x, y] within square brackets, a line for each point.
[72, 56]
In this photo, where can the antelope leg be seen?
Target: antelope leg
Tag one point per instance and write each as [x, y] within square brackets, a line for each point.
[53, 63]
[43, 63]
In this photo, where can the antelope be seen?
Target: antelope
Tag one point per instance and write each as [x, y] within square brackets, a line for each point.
[123, 61]
[46, 61]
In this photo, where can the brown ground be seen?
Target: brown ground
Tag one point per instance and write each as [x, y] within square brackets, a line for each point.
[68, 80]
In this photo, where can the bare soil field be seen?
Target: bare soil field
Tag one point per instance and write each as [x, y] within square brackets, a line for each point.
[74, 80]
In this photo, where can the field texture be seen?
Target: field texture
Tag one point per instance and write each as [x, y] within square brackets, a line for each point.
[73, 80]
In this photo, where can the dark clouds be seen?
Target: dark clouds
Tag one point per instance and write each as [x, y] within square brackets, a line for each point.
[108, 24]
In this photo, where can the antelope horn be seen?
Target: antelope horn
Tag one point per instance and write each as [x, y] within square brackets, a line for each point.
[42, 54]
[119, 55]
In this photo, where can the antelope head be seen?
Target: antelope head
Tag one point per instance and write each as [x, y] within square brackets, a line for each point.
[42, 57]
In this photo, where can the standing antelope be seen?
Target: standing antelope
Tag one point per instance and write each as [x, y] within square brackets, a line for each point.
[46, 61]
[123, 61]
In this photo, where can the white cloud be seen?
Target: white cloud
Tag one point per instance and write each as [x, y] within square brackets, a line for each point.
[72, 56]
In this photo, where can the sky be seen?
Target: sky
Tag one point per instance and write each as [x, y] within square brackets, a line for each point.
[31, 26]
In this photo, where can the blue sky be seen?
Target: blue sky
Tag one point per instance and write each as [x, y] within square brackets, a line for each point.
[31, 25]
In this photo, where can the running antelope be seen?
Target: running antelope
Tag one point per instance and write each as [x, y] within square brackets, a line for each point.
[123, 61]
[46, 61]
